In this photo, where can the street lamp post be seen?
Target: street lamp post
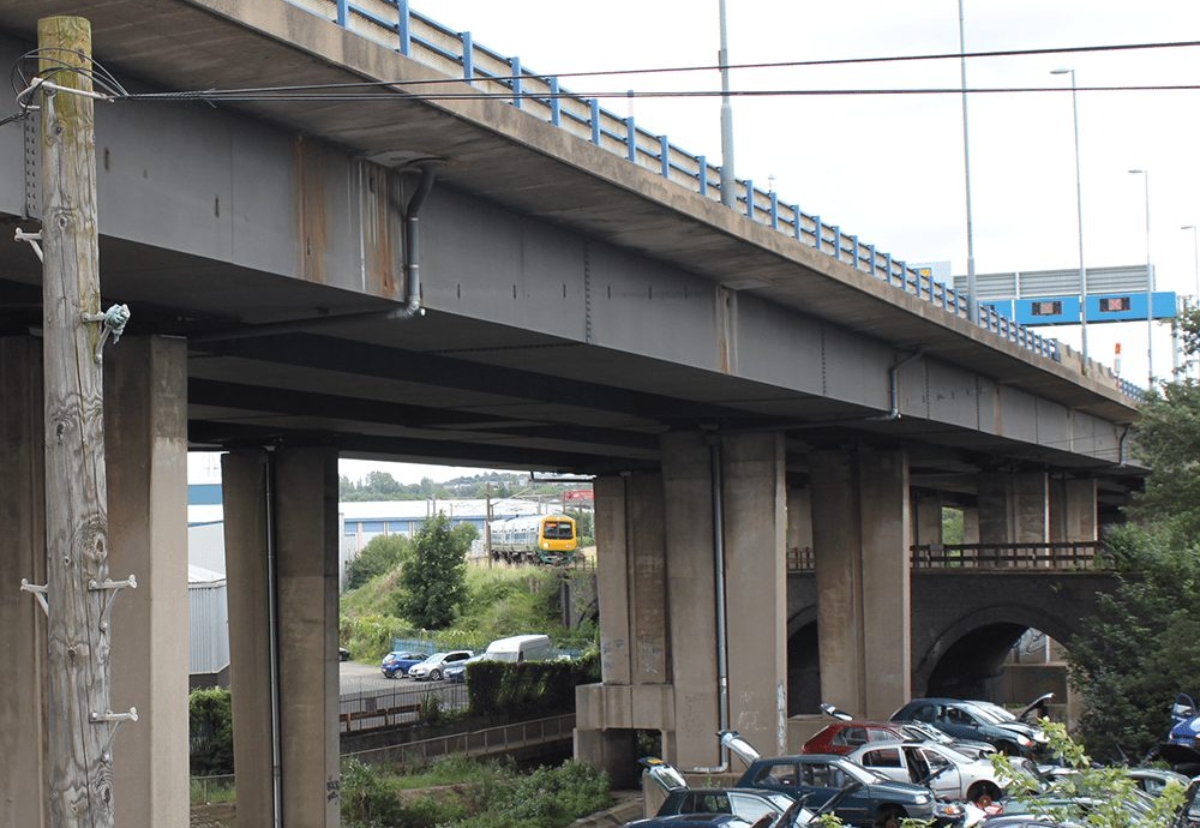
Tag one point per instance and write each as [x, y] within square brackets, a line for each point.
[1195, 303]
[1083, 284]
[728, 183]
[1149, 284]
[972, 287]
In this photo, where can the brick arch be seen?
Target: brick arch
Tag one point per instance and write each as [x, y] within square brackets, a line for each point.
[949, 606]
[1013, 613]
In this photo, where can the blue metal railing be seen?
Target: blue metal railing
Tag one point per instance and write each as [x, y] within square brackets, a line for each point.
[394, 24]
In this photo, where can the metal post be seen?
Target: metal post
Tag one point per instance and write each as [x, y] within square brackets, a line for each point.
[1149, 285]
[972, 287]
[1195, 303]
[728, 183]
[1083, 284]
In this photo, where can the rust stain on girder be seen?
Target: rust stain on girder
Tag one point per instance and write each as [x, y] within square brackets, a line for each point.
[312, 214]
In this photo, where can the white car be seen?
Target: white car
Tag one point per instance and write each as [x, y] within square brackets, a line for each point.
[948, 773]
[434, 667]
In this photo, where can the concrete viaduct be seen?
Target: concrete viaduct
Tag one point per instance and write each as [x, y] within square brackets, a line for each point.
[740, 382]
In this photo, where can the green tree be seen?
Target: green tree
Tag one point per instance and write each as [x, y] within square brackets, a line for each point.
[382, 553]
[1143, 646]
[433, 579]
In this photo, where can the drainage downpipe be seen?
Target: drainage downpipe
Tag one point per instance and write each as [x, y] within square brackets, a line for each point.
[718, 492]
[894, 384]
[412, 246]
[273, 645]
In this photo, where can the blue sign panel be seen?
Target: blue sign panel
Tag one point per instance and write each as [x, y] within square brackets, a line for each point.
[1113, 307]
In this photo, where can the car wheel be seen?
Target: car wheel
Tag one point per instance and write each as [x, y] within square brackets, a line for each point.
[980, 788]
[435, 675]
[386, 674]
[889, 816]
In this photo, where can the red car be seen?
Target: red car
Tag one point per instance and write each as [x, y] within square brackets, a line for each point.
[843, 737]
[847, 733]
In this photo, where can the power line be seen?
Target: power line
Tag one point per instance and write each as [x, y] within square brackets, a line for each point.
[305, 93]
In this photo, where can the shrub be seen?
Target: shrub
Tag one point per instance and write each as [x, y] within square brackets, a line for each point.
[210, 722]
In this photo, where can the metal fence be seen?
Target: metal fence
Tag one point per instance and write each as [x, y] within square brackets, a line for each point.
[486, 742]
[393, 24]
[973, 557]
[408, 703]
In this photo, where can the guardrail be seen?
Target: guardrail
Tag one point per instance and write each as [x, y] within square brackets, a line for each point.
[974, 557]
[393, 24]
[486, 742]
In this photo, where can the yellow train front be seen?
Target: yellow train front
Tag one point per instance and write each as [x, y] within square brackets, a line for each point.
[540, 539]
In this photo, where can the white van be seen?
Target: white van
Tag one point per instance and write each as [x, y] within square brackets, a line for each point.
[518, 648]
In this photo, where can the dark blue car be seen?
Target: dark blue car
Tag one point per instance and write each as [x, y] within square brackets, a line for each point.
[397, 662]
[873, 801]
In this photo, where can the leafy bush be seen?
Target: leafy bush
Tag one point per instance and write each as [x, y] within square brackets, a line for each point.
[210, 722]
[543, 687]
[546, 798]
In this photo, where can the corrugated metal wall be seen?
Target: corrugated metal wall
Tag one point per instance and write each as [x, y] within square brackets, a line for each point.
[208, 646]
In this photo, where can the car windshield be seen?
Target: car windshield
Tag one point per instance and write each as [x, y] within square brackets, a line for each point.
[1001, 714]
[981, 713]
[918, 730]
[434, 659]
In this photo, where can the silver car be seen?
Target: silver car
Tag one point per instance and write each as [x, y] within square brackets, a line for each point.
[948, 773]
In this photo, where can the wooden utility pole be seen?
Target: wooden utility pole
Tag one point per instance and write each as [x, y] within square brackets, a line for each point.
[78, 591]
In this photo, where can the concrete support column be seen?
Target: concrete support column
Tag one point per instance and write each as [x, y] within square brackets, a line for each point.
[1073, 510]
[927, 520]
[1014, 508]
[688, 515]
[860, 534]
[306, 526]
[145, 414]
[970, 524]
[755, 522]
[244, 476]
[634, 641]
[799, 523]
[24, 793]
[287, 518]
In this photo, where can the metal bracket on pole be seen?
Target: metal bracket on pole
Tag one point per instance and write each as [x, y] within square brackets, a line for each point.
[33, 239]
[114, 320]
[116, 720]
[39, 592]
[115, 586]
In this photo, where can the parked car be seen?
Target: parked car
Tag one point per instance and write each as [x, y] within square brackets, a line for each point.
[1189, 815]
[1154, 780]
[398, 662]
[749, 803]
[963, 719]
[693, 821]
[847, 733]
[343, 654]
[434, 667]
[948, 773]
[456, 671]
[872, 800]
[1182, 748]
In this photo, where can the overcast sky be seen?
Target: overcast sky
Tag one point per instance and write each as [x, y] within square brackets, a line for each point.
[890, 168]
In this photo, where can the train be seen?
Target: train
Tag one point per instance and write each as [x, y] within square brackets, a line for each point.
[538, 539]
